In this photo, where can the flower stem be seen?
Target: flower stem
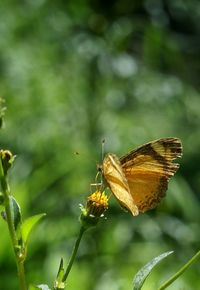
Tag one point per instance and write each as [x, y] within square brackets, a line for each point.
[180, 272]
[6, 193]
[74, 252]
[21, 275]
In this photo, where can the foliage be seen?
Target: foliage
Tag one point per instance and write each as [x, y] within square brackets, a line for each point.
[73, 73]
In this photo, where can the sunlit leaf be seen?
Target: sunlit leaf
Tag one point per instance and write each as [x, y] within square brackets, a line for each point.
[28, 225]
[144, 272]
[59, 279]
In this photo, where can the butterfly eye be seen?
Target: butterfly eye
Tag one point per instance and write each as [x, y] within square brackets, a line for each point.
[99, 168]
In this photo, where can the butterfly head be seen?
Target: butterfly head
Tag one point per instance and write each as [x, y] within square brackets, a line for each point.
[99, 168]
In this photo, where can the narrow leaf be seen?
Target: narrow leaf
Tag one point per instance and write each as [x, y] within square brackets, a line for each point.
[60, 270]
[16, 213]
[144, 272]
[28, 225]
[59, 284]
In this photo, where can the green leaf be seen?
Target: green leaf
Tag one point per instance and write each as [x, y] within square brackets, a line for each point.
[1, 198]
[16, 213]
[42, 286]
[59, 279]
[61, 270]
[144, 272]
[28, 225]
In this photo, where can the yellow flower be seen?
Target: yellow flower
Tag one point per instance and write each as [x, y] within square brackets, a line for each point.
[97, 204]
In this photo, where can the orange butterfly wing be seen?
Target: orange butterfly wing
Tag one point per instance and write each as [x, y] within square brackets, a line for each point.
[139, 179]
[148, 169]
[114, 176]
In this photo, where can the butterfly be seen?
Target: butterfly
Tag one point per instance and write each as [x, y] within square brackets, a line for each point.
[139, 179]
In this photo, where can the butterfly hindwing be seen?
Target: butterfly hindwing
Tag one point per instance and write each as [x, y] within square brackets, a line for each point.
[147, 189]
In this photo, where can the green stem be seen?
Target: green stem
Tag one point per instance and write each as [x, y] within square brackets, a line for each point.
[6, 193]
[180, 272]
[21, 275]
[74, 252]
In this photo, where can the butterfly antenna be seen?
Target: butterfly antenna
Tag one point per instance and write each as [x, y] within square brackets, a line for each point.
[102, 149]
[102, 156]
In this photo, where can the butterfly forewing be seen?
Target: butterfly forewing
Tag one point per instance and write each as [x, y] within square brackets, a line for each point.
[117, 182]
[156, 156]
[143, 173]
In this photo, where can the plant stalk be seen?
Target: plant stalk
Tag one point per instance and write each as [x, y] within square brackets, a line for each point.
[21, 275]
[181, 271]
[6, 193]
[74, 252]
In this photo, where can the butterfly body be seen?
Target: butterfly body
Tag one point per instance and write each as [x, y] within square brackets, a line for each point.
[140, 178]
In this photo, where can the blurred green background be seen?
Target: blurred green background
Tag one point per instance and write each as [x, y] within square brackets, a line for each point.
[73, 73]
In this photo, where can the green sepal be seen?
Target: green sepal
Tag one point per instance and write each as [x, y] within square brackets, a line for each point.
[87, 220]
[42, 287]
[28, 225]
[144, 272]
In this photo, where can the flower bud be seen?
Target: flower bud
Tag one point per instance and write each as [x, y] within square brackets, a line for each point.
[7, 160]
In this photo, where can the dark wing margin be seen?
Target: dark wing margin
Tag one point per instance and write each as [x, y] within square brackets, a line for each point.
[162, 152]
